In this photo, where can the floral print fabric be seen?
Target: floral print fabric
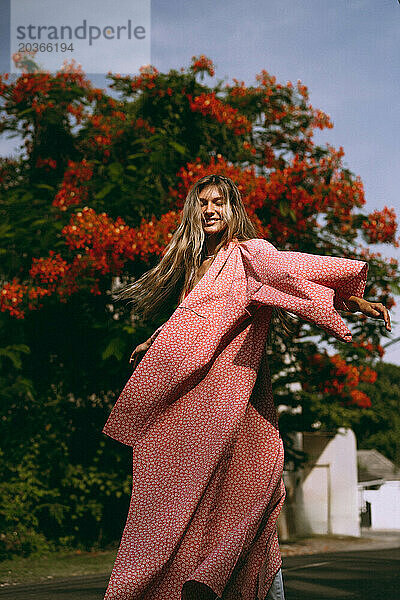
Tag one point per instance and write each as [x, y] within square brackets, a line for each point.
[199, 415]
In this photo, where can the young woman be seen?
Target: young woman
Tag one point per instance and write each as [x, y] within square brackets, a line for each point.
[198, 409]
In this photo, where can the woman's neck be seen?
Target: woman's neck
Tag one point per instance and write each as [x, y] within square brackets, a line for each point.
[212, 242]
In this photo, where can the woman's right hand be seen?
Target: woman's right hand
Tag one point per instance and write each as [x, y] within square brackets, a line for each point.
[135, 356]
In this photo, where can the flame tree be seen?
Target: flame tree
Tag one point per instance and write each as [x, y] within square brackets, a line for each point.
[93, 198]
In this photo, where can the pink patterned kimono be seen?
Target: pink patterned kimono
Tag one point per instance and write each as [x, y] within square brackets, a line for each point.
[199, 414]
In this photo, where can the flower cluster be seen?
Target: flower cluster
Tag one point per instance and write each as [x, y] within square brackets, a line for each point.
[106, 128]
[360, 399]
[381, 227]
[29, 85]
[321, 120]
[48, 271]
[3, 85]
[168, 92]
[248, 147]
[39, 106]
[146, 79]
[265, 79]
[343, 380]
[239, 90]
[143, 124]
[49, 276]
[285, 112]
[11, 297]
[299, 190]
[153, 236]
[16, 298]
[368, 375]
[106, 243]
[23, 60]
[77, 111]
[209, 104]
[71, 67]
[46, 163]
[72, 73]
[72, 192]
[202, 64]
[269, 158]
[102, 246]
[302, 89]
[369, 347]
[41, 90]
[279, 105]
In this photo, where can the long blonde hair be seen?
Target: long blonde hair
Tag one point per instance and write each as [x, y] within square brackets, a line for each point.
[186, 250]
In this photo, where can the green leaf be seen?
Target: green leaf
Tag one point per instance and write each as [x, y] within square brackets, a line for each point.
[394, 287]
[139, 141]
[5, 229]
[114, 348]
[283, 208]
[45, 186]
[178, 147]
[137, 155]
[115, 170]
[13, 353]
[106, 190]
[26, 111]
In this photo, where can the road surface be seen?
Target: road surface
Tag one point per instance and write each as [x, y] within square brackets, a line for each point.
[357, 575]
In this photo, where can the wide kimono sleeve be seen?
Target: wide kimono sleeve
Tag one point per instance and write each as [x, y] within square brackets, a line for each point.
[310, 285]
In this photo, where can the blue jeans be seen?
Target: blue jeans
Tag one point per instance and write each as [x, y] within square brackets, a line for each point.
[276, 591]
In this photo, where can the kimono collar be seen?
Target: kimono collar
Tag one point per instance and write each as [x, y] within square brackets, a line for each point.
[213, 272]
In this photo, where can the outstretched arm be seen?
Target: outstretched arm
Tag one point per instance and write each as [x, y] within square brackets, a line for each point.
[312, 286]
[375, 310]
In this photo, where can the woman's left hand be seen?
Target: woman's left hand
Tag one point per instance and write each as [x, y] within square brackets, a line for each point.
[375, 310]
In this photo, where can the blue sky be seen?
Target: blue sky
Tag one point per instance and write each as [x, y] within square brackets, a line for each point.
[346, 52]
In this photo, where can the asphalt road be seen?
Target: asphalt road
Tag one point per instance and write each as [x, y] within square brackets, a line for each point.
[360, 575]
[366, 575]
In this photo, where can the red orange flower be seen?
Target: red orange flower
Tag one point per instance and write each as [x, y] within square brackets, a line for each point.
[73, 191]
[381, 226]
[209, 104]
[202, 64]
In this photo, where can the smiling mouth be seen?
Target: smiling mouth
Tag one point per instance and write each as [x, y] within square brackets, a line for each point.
[212, 221]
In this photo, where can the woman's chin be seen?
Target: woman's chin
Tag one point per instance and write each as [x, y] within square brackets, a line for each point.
[212, 230]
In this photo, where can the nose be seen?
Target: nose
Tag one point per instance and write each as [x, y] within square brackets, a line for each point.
[210, 208]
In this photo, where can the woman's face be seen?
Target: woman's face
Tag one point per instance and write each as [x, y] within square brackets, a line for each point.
[211, 204]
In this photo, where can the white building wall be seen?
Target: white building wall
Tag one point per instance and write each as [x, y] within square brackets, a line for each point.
[385, 505]
[329, 490]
